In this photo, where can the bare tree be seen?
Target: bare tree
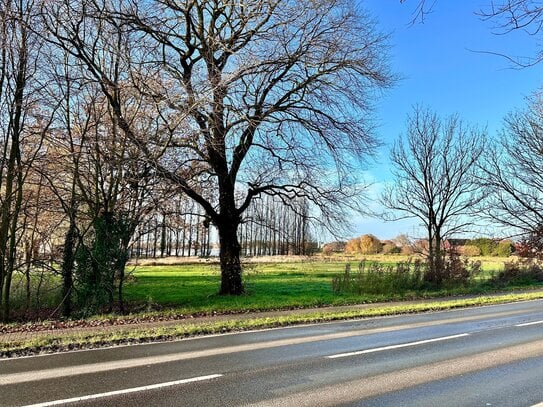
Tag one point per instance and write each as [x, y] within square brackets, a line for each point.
[435, 168]
[101, 183]
[261, 97]
[21, 130]
[512, 172]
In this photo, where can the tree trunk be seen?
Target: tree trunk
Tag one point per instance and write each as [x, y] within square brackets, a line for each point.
[68, 262]
[439, 264]
[125, 244]
[431, 273]
[229, 253]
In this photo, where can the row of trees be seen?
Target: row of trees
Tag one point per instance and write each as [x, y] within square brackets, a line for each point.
[273, 227]
[402, 244]
[270, 227]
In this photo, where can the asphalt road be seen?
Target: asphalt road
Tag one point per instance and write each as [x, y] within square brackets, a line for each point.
[490, 356]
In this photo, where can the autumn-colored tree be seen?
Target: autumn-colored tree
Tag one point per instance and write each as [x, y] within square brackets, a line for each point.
[365, 244]
[369, 244]
[353, 246]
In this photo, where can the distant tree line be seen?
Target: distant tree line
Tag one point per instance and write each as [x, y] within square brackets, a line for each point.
[369, 244]
[271, 227]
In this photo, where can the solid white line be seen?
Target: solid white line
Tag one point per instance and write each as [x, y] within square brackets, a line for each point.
[125, 391]
[403, 345]
[530, 323]
[538, 405]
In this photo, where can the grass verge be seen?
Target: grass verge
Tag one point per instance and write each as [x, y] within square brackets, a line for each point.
[57, 342]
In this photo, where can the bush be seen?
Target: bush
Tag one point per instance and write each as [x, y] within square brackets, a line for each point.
[100, 262]
[391, 248]
[333, 247]
[486, 246]
[520, 272]
[470, 251]
[459, 271]
[377, 278]
[504, 249]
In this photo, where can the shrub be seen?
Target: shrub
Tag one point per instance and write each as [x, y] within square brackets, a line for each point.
[333, 247]
[524, 271]
[470, 251]
[486, 246]
[459, 271]
[377, 278]
[391, 248]
[504, 249]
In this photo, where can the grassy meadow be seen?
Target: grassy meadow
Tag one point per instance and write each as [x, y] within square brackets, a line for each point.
[269, 285]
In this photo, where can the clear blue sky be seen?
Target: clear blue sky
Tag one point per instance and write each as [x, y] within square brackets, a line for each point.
[440, 70]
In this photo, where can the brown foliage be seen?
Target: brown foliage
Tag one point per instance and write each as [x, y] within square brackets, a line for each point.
[365, 244]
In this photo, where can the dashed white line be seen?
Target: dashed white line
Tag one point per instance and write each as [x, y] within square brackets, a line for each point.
[530, 323]
[125, 391]
[403, 345]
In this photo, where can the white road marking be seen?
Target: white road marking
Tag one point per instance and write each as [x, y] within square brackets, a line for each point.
[538, 405]
[125, 391]
[66, 371]
[403, 345]
[530, 323]
[364, 331]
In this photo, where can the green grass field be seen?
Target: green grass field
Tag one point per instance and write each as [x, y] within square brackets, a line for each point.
[268, 286]
[279, 284]
[165, 291]
[193, 287]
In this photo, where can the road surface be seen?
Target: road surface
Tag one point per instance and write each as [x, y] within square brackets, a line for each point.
[489, 356]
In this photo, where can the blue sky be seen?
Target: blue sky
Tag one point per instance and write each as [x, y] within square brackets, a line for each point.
[441, 70]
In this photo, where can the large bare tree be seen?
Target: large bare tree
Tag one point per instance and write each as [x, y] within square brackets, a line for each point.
[435, 168]
[512, 171]
[262, 97]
